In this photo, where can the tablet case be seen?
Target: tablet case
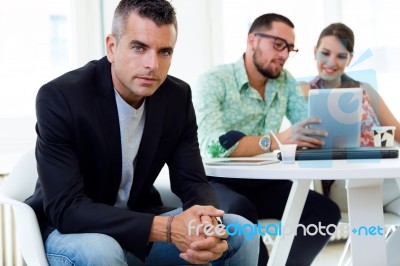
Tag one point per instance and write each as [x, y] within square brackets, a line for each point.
[340, 111]
[344, 153]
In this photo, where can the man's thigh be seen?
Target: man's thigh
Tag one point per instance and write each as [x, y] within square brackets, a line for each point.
[83, 249]
[99, 249]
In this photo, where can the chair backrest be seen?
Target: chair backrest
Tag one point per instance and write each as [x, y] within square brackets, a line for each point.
[21, 182]
[18, 186]
[163, 186]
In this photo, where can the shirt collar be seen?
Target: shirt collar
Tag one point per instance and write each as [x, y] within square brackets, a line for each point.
[240, 74]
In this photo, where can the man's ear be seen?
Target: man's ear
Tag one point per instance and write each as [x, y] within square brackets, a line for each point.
[111, 45]
[251, 41]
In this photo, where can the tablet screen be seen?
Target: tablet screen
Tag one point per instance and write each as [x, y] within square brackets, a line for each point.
[340, 111]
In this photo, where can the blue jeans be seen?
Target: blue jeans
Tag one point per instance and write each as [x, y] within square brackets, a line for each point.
[98, 249]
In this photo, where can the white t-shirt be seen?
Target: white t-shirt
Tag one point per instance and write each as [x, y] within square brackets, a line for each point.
[131, 123]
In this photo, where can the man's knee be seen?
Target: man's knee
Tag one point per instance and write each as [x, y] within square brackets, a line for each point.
[330, 211]
[84, 249]
[105, 250]
[241, 229]
[322, 209]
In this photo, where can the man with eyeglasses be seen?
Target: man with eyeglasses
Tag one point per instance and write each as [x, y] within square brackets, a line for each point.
[237, 105]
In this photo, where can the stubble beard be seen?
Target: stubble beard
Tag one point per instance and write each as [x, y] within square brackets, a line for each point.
[266, 72]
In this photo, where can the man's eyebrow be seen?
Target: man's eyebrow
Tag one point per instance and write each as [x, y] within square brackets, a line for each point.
[136, 42]
[168, 48]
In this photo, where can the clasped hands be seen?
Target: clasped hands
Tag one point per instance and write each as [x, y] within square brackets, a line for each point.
[188, 234]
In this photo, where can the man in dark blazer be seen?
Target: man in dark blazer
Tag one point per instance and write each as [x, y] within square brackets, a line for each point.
[104, 133]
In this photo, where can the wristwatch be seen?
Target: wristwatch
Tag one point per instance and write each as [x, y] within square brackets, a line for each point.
[265, 143]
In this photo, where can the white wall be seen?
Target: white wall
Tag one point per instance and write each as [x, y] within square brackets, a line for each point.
[211, 32]
[193, 51]
[31, 55]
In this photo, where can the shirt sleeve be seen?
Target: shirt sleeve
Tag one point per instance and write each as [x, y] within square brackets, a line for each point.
[209, 96]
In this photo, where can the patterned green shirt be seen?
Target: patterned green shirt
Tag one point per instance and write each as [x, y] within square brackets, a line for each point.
[224, 101]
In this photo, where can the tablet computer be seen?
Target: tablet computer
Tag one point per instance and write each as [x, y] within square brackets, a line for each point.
[340, 111]
[345, 153]
[243, 162]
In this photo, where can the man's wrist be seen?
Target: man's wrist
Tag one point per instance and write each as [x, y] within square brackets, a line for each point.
[158, 230]
[169, 224]
[274, 145]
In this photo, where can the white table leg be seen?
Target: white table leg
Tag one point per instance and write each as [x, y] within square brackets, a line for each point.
[291, 217]
[367, 234]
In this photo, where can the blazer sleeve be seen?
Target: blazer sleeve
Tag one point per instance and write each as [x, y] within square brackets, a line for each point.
[65, 203]
[188, 179]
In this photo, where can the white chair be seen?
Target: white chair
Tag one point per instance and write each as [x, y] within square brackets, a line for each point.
[14, 190]
[20, 184]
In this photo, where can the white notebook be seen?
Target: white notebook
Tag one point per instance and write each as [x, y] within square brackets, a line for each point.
[242, 162]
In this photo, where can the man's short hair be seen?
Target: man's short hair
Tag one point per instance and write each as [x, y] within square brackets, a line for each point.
[265, 22]
[161, 12]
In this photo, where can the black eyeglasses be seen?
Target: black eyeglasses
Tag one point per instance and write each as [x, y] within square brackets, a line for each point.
[279, 43]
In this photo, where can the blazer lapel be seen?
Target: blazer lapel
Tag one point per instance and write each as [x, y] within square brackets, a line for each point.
[104, 99]
[155, 110]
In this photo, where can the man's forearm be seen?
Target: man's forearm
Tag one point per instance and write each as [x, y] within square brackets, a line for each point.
[249, 146]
